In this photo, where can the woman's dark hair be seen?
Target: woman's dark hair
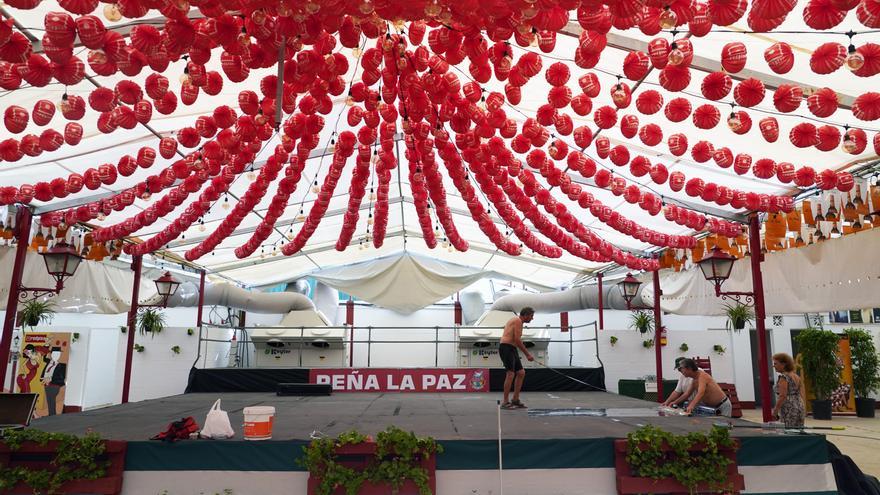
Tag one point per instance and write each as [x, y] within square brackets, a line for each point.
[526, 311]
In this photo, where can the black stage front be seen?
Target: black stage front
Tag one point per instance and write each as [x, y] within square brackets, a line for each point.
[217, 380]
[461, 416]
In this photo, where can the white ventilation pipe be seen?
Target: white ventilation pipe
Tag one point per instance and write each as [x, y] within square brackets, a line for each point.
[586, 297]
[187, 295]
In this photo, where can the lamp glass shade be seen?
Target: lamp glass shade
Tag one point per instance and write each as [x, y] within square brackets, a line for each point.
[61, 260]
[629, 287]
[716, 267]
[166, 285]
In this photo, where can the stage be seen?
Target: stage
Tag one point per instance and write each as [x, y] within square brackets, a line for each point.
[543, 452]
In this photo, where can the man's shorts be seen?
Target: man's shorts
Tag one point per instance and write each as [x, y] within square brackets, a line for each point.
[510, 357]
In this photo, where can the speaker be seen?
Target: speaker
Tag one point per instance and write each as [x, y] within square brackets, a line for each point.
[311, 389]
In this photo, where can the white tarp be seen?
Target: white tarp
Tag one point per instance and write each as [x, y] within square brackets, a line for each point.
[836, 274]
[403, 283]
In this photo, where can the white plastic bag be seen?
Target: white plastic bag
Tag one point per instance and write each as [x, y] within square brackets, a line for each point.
[217, 423]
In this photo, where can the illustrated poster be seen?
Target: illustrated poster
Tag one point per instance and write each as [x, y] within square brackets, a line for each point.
[42, 369]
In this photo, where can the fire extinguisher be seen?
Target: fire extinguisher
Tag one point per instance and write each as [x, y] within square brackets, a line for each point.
[663, 335]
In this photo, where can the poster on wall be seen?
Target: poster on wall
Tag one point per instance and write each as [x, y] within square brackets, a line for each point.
[842, 399]
[42, 370]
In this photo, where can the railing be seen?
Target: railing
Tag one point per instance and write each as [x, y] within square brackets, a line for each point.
[369, 341]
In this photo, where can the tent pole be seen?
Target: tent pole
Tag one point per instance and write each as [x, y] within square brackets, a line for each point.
[349, 320]
[760, 315]
[136, 265]
[601, 306]
[201, 298]
[658, 333]
[23, 225]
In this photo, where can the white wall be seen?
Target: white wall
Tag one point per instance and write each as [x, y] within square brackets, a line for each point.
[96, 374]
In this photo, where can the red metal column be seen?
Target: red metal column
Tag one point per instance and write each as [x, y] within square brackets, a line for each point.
[658, 330]
[349, 320]
[563, 321]
[136, 265]
[758, 288]
[23, 224]
[201, 299]
[601, 308]
[457, 316]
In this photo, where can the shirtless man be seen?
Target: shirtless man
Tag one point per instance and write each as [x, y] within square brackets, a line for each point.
[511, 340]
[708, 394]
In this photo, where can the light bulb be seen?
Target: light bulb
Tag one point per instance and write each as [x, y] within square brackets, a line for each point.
[370, 220]
[312, 7]
[332, 147]
[433, 9]
[244, 40]
[146, 196]
[399, 24]
[101, 216]
[676, 56]
[65, 104]
[315, 188]
[260, 119]
[849, 144]
[534, 40]
[258, 17]
[734, 121]
[530, 12]
[202, 227]
[251, 176]
[349, 102]
[854, 59]
[225, 204]
[372, 196]
[185, 79]
[618, 95]
[356, 52]
[401, 63]
[111, 12]
[668, 19]
[366, 8]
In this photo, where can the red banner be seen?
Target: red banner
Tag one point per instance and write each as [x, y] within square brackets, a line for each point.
[403, 380]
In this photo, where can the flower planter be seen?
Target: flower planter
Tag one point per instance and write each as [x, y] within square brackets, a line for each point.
[35, 456]
[822, 409]
[629, 483]
[359, 456]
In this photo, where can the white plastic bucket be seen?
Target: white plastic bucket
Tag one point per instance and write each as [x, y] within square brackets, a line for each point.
[258, 422]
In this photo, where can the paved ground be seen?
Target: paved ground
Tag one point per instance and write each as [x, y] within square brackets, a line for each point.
[443, 416]
[860, 440]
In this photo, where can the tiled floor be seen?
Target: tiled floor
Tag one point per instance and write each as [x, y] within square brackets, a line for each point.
[860, 440]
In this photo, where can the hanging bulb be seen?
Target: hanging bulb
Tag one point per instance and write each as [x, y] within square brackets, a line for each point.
[372, 195]
[854, 59]
[101, 216]
[349, 101]
[251, 176]
[676, 56]
[260, 119]
[849, 144]
[65, 104]
[370, 219]
[202, 227]
[375, 159]
[315, 188]
[534, 40]
[529, 12]
[450, 248]
[112, 13]
[146, 195]
[185, 79]
[619, 94]
[332, 147]
[244, 39]
[356, 52]
[401, 63]
[734, 122]
[433, 9]
[300, 217]
[366, 8]
[225, 204]
[668, 19]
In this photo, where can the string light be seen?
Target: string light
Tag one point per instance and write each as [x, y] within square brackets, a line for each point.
[668, 19]
[225, 204]
[676, 55]
[112, 13]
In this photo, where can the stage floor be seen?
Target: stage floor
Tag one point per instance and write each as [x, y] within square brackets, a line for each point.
[463, 416]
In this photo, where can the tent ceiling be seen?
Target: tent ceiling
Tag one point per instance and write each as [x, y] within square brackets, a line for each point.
[97, 148]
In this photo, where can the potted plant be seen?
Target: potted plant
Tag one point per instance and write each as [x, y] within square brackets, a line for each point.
[738, 315]
[718, 349]
[647, 344]
[818, 354]
[641, 321]
[175, 349]
[36, 312]
[865, 369]
[683, 347]
[613, 340]
[151, 321]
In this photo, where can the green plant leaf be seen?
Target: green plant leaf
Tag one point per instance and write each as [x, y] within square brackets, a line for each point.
[865, 362]
[36, 312]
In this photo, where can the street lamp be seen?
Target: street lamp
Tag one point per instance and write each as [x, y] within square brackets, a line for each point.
[61, 260]
[629, 287]
[166, 286]
[716, 268]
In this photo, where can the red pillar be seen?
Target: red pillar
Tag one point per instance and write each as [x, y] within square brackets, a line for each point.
[601, 308]
[349, 320]
[201, 299]
[136, 265]
[23, 225]
[563, 321]
[457, 315]
[658, 331]
[760, 315]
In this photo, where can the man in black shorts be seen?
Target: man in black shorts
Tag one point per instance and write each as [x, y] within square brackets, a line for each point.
[511, 340]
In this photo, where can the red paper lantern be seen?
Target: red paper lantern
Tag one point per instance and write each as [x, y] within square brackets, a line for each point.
[651, 134]
[733, 57]
[805, 177]
[803, 135]
[706, 116]
[742, 163]
[827, 58]
[635, 65]
[823, 102]
[769, 129]
[764, 168]
[649, 102]
[749, 92]
[788, 97]
[828, 138]
[629, 126]
[785, 172]
[823, 14]
[779, 57]
[867, 106]
[43, 112]
[716, 86]
[605, 117]
[678, 144]
[676, 181]
[15, 118]
[726, 12]
[677, 109]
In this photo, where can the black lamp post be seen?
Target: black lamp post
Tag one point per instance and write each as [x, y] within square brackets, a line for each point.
[166, 286]
[716, 268]
[61, 260]
[629, 287]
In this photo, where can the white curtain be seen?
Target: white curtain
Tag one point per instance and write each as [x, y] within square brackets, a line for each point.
[833, 275]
